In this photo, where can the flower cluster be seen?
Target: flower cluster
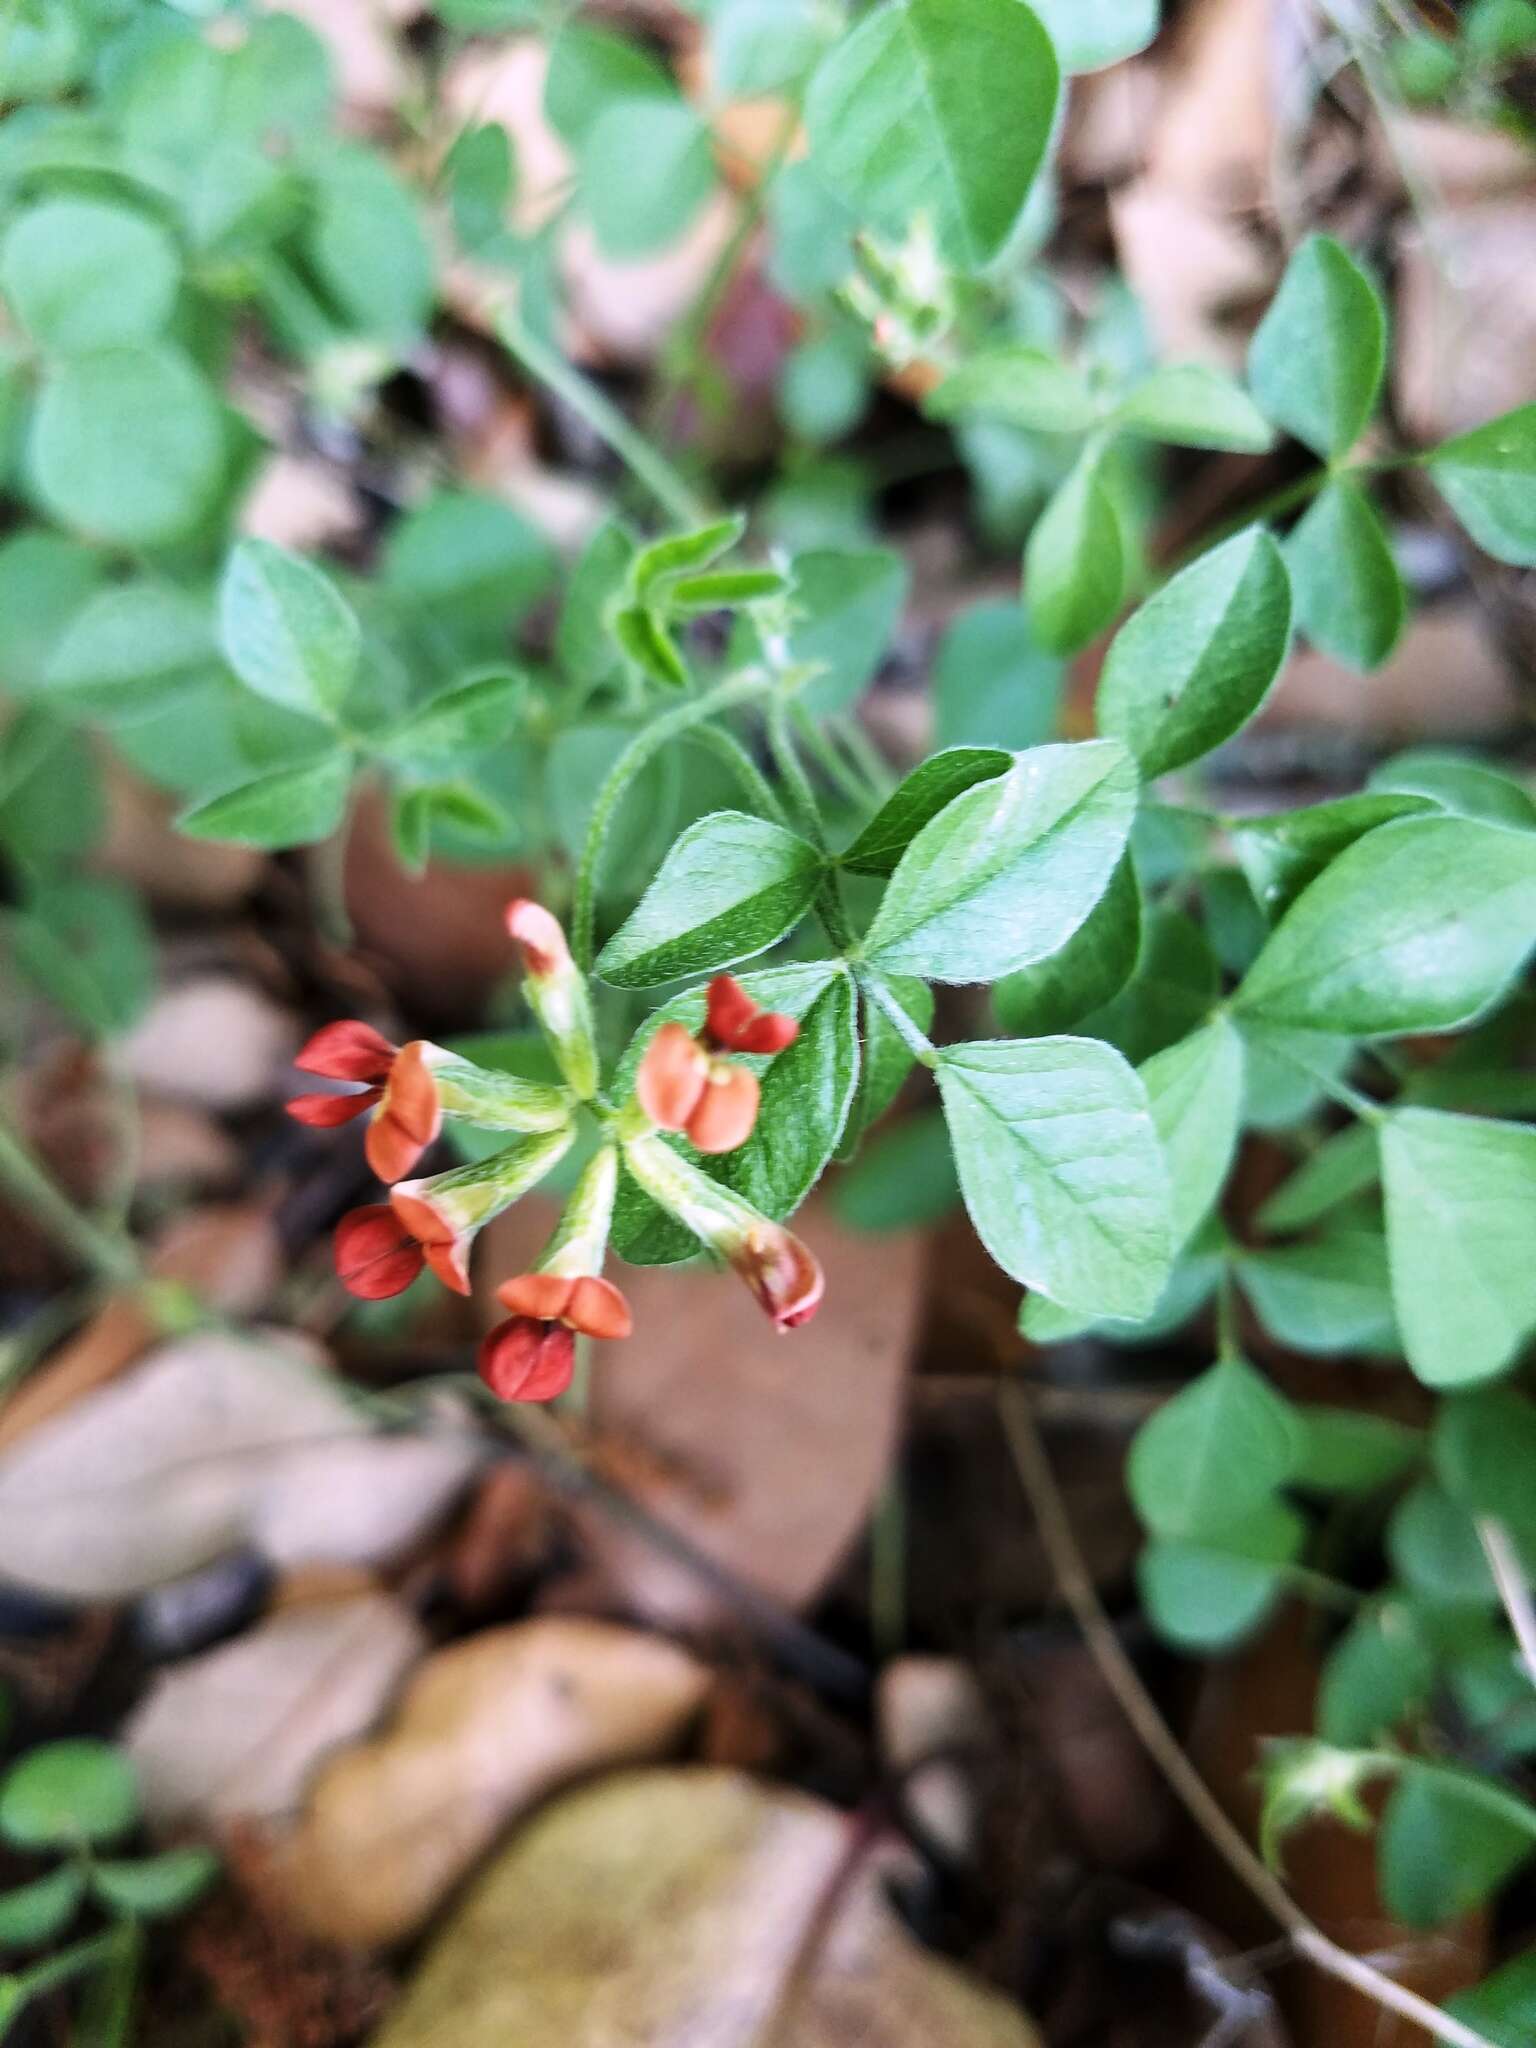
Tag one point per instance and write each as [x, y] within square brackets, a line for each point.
[685, 1083]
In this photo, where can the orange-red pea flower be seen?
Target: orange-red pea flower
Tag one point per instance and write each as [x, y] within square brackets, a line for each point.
[531, 1356]
[444, 1212]
[684, 1085]
[400, 1090]
[376, 1255]
[735, 1023]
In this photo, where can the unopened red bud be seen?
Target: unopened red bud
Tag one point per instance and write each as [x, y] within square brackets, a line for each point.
[539, 937]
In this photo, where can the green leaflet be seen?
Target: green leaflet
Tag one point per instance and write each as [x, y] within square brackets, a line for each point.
[1006, 872]
[1320, 352]
[1418, 926]
[1061, 1169]
[1461, 1223]
[286, 630]
[731, 886]
[1193, 665]
[939, 106]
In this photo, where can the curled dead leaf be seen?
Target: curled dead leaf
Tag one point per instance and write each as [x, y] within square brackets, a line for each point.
[228, 1254]
[213, 1442]
[685, 1909]
[486, 1727]
[235, 1733]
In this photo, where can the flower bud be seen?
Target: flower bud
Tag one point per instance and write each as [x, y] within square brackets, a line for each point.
[781, 1271]
[557, 993]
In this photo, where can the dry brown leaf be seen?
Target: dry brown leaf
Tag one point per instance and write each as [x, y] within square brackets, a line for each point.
[181, 1147]
[766, 1451]
[671, 1909]
[1446, 680]
[228, 1255]
[213, 1442]
[504, 81]
[443, 932]
[237, 1732]
[141, 846]
[1181, 229]
[485, 1728]
[1184, 261]
[625, 311]
[214, 1040]
[300, 501]
[1466, 318]
[1214, 135]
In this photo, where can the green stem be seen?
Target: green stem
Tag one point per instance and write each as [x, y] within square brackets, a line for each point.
[802, 798]
[106, 2012]
[328, 882]
[917, 1042]
[16, 1992]
[1336, 1090]
[838, 772]
[737, 689]
[1284, 499]
[866, 756]
[756, 786]
[829, 901]
[676, 498]
[44, 1202]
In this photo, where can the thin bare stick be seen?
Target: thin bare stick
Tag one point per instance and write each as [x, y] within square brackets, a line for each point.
[1120, 1675]
[1514, 1590]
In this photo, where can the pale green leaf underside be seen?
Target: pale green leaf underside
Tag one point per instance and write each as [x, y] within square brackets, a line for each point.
[1461, 1234]
[1007, 872]
[1061, 1169]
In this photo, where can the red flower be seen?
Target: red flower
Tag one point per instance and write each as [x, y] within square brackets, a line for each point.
[735, 1023]
[683, 1085]
[400, 1090]
[444, 1247]
[349, 1051]
[376, 1256]
[531, 1357]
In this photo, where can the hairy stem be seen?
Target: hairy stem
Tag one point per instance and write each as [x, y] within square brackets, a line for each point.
[1077, 1588]
[917, 1042]
[106, 1253]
